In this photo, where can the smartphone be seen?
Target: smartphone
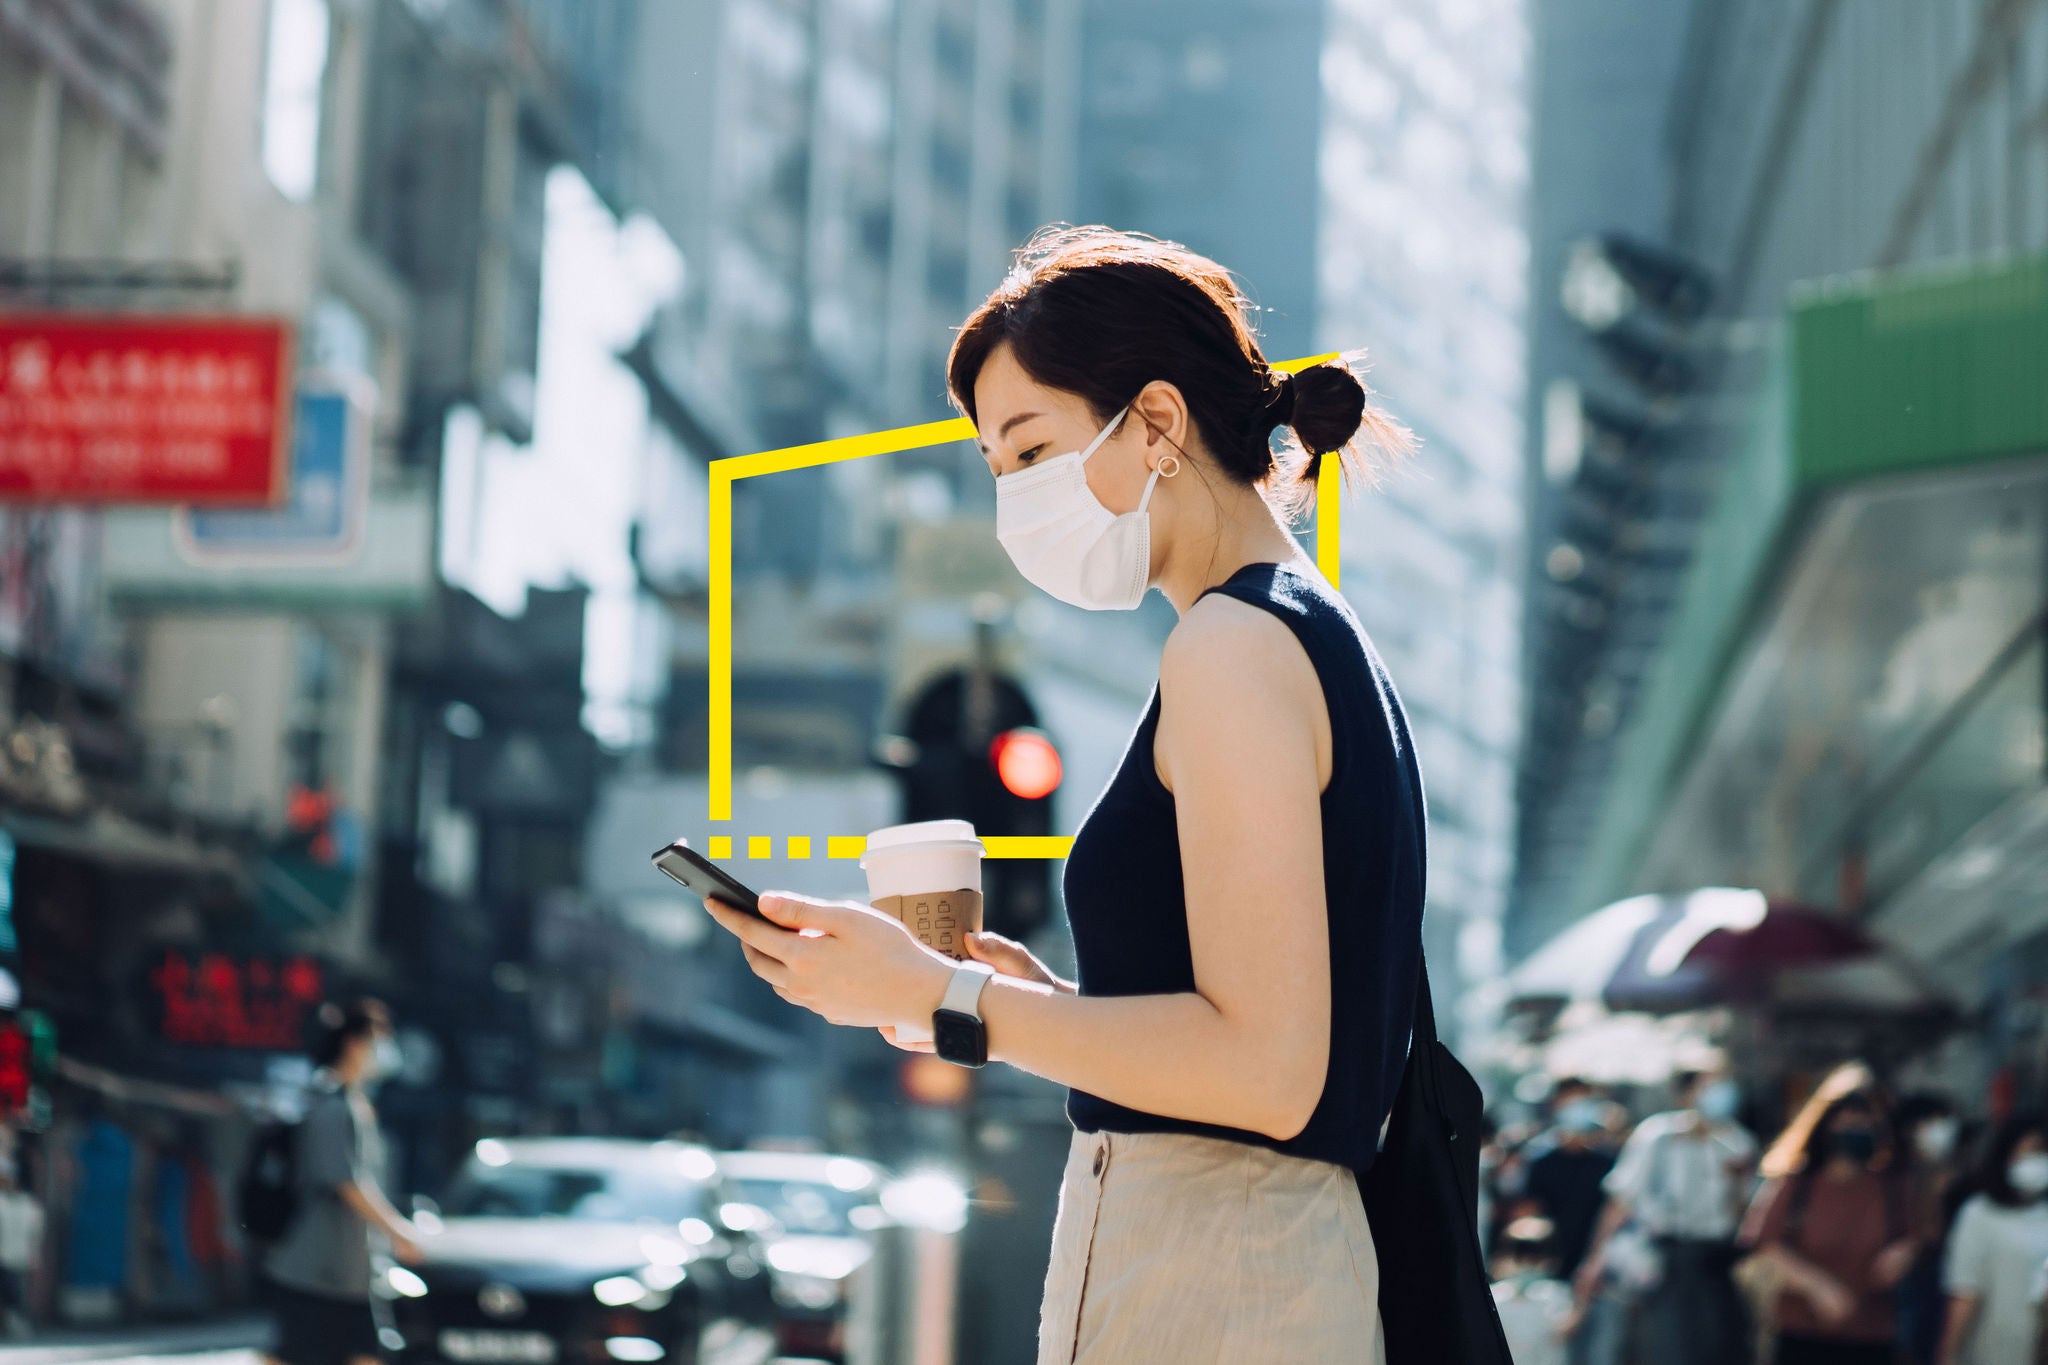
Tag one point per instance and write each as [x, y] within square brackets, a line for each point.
[705, 877]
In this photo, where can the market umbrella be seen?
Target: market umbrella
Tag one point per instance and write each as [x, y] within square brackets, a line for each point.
[1715, 946]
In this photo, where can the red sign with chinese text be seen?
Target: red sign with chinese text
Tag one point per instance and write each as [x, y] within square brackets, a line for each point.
[144, 409]
[15, 1076]
[220, 1000]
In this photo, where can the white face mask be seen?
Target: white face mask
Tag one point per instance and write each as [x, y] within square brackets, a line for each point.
[1720, 1100]
[1935, 1139]
[2029, 1174]
[386, 1058]
[1061, 537]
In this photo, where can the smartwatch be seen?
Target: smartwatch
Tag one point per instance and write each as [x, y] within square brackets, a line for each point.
[958, 1035]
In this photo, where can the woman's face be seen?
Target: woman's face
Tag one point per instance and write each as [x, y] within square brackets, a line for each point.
[1021, 421]
[1850, 1118]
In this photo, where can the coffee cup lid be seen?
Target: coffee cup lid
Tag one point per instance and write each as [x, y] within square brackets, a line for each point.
[923, 832]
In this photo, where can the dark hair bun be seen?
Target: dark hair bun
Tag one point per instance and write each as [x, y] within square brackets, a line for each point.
[1329, 408]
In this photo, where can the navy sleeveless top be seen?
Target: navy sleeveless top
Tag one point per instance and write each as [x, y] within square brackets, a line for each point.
[1125, 896]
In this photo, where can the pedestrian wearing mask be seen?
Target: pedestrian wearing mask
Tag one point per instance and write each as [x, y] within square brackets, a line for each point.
[1681, 1181]
[1996, 1250]
[319, 1270]
[1836, 1224]
[1927, 1130]
[1563, 1183]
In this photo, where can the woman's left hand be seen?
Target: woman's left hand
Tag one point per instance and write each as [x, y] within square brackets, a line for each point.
[1894, 1262]
[842, 960]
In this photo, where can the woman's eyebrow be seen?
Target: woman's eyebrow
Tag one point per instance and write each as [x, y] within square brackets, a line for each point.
[1004, 430]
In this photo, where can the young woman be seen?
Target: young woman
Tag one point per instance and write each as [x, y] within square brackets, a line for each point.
[1839, 1225]
[1246, 892]
[1996, 1251]
[319, 1271]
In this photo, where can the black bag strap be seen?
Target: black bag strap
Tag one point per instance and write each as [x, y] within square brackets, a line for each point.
[1422, 1034]
[1425, 1008]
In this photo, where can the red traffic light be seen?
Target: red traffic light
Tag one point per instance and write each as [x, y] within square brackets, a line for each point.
[1026, 762]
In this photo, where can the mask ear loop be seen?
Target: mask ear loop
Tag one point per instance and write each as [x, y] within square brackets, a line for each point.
[1107, 431]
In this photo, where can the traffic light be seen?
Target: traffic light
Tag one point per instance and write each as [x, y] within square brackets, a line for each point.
[971, 748]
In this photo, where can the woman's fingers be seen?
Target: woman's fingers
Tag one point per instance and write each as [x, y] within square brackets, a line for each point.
[1007, 956]
[752, 930]
[992, 949]
[888, 1032]
[772, 970]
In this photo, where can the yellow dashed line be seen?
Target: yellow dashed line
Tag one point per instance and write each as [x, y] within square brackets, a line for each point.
[720, 846]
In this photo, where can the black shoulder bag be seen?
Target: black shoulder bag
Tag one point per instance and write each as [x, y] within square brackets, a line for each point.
[1422, 1199]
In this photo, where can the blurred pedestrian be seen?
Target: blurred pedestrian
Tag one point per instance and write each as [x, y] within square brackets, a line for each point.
[1246, 896]
[1927, 1133]
[1837, 1223]
[1996, 1250]
[21, 1245]
[1534, 1304]
[319, 1270]
[1676, 1192]
[1564, 1181]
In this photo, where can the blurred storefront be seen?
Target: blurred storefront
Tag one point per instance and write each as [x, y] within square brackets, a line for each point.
[1850, 708]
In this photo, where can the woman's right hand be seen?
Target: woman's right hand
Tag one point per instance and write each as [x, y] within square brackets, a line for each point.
[1011, 958]
[1831, 1299]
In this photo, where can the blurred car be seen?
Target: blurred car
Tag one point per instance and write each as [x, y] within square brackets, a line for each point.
[814, 1212]
[582, 1251]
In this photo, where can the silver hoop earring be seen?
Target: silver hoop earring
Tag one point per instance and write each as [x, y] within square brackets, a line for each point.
[1169, 465]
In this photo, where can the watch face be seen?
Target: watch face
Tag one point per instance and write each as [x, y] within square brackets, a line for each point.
[959, 1037]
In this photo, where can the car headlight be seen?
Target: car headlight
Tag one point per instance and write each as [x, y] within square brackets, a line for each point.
[806, 1291]
[405, 1283]
[663, 1277]
[619, 1290]
[824, 1258]
[652, 1288]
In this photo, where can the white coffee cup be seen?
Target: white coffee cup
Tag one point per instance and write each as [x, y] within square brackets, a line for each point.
[917, 861]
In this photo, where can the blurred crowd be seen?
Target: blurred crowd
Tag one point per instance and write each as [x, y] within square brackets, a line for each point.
[1873, 1228]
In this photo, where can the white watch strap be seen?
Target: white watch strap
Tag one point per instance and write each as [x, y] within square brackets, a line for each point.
[963, 992]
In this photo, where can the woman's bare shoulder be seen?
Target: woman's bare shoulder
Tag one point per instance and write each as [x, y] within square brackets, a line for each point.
[1225, 642]
[1236, 684]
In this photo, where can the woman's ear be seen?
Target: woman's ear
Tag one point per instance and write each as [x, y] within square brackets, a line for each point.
[1161, 411]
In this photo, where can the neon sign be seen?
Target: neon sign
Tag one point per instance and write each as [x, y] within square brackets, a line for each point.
[222, 1000]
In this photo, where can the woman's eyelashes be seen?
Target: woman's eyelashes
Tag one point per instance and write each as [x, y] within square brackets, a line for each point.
[995, 468]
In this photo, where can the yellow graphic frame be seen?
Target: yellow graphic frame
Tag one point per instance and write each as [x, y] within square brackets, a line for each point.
[725, 473]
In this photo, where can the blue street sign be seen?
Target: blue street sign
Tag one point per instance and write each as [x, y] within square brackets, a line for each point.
[323, 516]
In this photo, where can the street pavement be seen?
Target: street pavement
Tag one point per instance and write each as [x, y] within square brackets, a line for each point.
[232, 1341]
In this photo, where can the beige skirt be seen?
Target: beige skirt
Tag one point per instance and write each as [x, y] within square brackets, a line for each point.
[1174, 1248]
